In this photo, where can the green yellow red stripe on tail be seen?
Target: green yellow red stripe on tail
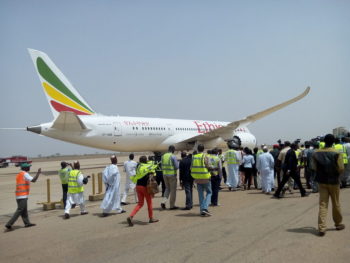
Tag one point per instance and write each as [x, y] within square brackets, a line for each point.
[60, 93]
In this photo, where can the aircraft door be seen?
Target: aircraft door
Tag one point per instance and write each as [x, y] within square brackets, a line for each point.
[170, 129]
[117, 131]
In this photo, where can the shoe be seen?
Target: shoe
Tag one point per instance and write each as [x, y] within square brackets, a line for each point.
[9, 228]
[105, 214]
[162, 206]
[283, 192]
[229, 188]
[129, 221]
[84, 213]
[66, 216]
[340, 227]
[321, 234]
[206, 212]
[121, 211]
[276, 196]
[30, 225]
[124, 203]
[152, 220]
[174, 208]
[186, 208]
[305, 194]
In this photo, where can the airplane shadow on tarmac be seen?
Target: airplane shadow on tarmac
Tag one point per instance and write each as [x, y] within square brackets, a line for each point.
[304, 230]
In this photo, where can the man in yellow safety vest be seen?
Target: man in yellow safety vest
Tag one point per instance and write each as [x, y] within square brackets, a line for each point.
[76, 190]
[170, 166]
[200, 172]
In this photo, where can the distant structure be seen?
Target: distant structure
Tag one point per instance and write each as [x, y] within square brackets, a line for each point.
[341, 132]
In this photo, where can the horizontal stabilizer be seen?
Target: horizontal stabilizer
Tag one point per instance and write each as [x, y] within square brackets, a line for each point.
[68, 121]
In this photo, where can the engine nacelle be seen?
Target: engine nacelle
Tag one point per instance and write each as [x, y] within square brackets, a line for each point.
[246, 139]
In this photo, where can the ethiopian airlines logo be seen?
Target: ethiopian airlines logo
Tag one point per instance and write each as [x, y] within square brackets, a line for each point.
[204, 127]
[62, 99]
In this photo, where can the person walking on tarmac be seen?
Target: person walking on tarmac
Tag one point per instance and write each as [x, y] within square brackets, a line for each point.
[186, 178]
[64, 174]
[291, 170]
[75, 190]
[216, 175]
[329, 165]
[200, 171]
[169, 167]
[232, 159]
[130, 170]
[23, 180]
[111, 178]
[143, 172]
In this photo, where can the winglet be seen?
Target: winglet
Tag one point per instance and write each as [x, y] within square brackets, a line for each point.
[60, 93]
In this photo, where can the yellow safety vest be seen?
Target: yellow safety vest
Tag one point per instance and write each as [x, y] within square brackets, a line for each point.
[64, 174]
[73, 186]
[341, 149]
[231, 157]
[297, 153]
[142, 170]
[214, 161]
[321, 145]
[167, 165]
[198, 169]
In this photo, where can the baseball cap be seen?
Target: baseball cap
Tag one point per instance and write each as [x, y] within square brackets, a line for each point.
[25, 165]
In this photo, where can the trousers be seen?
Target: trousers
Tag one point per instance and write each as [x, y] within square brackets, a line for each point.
[215, 186]
[204, 201]
[142, 194]
[170, 189]
[286, 177]
[188, 186]
[64, 193]
[326, 191]
[21, 211]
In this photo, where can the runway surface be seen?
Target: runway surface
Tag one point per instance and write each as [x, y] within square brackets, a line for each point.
[247, 227]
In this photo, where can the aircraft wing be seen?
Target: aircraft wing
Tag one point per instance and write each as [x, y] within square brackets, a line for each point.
[68, 121]
[226, 131]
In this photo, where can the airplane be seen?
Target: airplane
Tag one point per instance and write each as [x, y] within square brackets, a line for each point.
[76, 122]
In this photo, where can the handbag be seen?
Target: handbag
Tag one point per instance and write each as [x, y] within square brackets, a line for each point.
[152, 186]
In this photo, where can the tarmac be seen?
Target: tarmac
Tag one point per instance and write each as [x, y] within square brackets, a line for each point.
[248, 226]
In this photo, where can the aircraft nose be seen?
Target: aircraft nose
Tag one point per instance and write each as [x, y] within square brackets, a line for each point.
[35, 129]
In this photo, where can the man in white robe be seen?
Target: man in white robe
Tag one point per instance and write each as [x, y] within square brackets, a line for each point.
[130, 170]
[111, 179]
[265, 165]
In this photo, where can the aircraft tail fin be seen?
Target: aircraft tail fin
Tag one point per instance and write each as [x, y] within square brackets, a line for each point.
[60, 93]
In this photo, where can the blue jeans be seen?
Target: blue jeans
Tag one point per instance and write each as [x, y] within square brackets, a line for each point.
[204, 202]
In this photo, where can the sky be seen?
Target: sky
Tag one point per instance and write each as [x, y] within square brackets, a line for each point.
[202, 60]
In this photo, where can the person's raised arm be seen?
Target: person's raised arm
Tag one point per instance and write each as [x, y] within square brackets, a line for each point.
[36, 176]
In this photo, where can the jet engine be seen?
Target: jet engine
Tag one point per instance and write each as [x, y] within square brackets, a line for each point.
[245, 139]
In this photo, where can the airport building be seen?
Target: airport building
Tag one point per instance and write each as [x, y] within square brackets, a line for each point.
[341, 132]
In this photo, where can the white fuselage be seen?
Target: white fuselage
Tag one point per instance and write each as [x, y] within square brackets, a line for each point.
[133, 134]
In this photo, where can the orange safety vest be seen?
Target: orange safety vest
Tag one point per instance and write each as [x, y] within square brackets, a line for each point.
[22, 186]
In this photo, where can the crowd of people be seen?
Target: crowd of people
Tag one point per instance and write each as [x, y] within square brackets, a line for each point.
[324, 165]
